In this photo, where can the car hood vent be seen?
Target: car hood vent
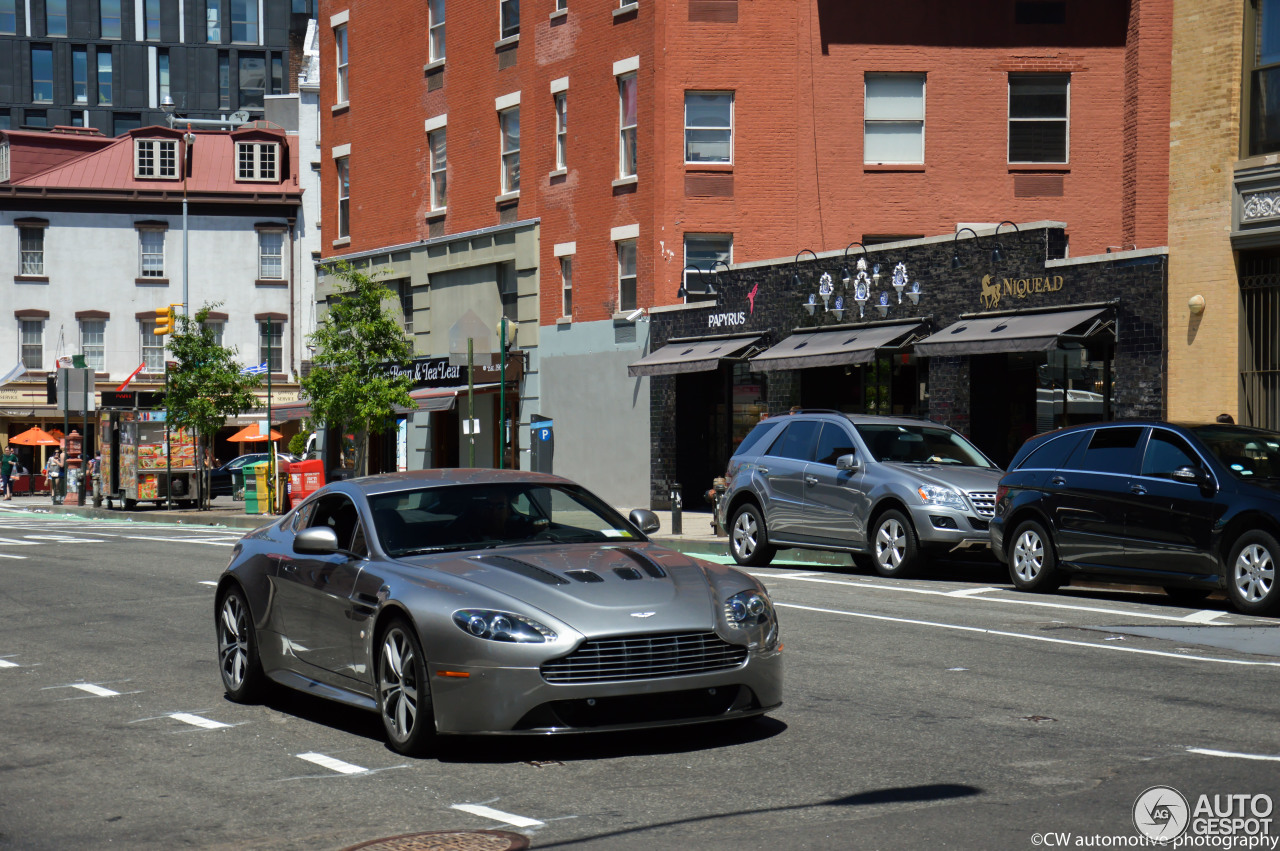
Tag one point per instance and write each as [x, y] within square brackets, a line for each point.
[524, 568]
[647, 564]
[627, 573]
[584, 576]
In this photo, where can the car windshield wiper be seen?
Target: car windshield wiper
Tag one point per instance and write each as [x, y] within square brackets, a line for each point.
[446, 548]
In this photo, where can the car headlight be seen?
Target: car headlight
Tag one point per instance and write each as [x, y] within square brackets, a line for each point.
[748, 609]
[502, 626]
[943, 496]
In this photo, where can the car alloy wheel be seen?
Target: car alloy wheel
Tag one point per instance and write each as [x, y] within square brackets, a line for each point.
[404, 697]
[241, 669]
[895, 548]
[1028, 555]
[748, 539]
[1251, 580]
[1033, 565]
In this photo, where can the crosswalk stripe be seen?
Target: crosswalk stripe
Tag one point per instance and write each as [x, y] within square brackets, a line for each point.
[332, 764]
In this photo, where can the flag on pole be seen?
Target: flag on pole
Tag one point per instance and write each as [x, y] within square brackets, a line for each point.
[13, 373]
[255, 370]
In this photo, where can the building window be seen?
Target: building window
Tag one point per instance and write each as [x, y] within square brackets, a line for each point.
[156, 158]
[257, 161]
[215, 327]
[33, 343]
[31, 245]
[152, 348]
[508, 291]
[105, 75]
[162, 74]
[80, 75]
[404, 289]
[708, 127]
[6, 122]
[253, 81]
[509, 12]
[1262, 77]
[435, 28]
[627, 275]
[439, 170]
[55, 17]
[1038, 109]
[271, 254]
[4, 160]
[704, 250]
[562, 128]
[92, 334]
[224, 81]
[893, 129]
[344, 197]
[124, 122]
[42, 74]
[277, 74]
[35, 118]
[566, 285]
[109, 15]
[271, 344]
[510, 121]
[562, 5]
[244, 22]
[150, 253]
[340, 40]
[9, 17]
[213, 21]
[151, 24]
[627, 125]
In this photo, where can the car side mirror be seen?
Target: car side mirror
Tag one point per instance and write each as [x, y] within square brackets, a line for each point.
[1192, 476]
[316, 541]
[848, 462]
[645, 520]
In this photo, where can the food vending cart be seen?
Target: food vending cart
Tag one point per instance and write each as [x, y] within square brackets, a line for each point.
[135, 466]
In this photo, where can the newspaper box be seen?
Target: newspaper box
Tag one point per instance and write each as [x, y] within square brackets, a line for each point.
[305, 478]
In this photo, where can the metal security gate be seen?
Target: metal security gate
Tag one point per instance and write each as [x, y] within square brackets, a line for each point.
[1260, 340]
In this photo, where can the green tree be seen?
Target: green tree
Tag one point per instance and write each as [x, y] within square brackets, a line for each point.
[206, 387]
[349, 386]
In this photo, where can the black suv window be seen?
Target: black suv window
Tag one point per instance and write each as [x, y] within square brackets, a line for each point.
[796, 441]
[1111, 450]
[833, 443]
[1165, 453]
[1052, 454]
[767, 429]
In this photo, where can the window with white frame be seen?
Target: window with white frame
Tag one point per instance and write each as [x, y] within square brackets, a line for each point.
[4, 161]
[508, 291]
[704, 250]
[439, 169]
[162, 75]
[566, 285]
[344, 197]
[509, 14]
[216, 328]
[31, 245]
[150, 253]
[435, 29]
[257, 161]
[562, 127]
[106, 75]
[340, 41]
[404, 290]
[893, 127]
[271, 254]
[92, 336]
[1038, 117]
[562, 5]
[155, 158]
[627, 125]
[271, 344]
[708, 127]
[152, 347]
[33, 343]
[509, 119]
[626, 274]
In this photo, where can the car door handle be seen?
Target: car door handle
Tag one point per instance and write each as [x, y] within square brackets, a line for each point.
[810, 480]
[764, 471]
[1057, 480]
[1137, 489]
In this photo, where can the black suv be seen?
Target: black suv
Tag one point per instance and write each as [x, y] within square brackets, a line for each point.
[1190, 508]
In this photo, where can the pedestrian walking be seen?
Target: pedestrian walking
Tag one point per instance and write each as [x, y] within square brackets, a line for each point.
[95, 477]
[53, 472]
[8, 464]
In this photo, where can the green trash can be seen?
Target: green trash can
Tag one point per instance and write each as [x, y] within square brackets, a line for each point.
[254, 502]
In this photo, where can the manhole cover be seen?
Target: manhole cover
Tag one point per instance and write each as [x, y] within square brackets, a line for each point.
[449, 840]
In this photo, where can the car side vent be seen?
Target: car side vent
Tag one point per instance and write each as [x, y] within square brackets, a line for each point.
[627, 572]
[515, 565]
[584, 575]
[647, 564]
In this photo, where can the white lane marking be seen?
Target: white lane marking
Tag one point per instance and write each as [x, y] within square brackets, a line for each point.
[332, 764]
[1044, 604]
[1205, 616]
[498, 815]
[197, 721]
[5, 663]
[96, 691]
[13, 542]
[1233, 754]
[969, 592]
[206, 541]
[6, 555]
[64, 539]
[1044, 638]
[208, 582]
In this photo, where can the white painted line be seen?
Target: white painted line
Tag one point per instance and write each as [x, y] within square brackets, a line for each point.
[6, 555]
[1203, 617]
[197, 721]
[208, 582]
[498, 815]
[1255, 756]
[332, 764]
[5, 663]
[64, 539]
[1042, 638]
[181, 540]
[97, 691]
[969, 592]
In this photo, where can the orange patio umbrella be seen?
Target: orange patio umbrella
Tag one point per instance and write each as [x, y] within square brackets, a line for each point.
[252, 434]
[35, 436]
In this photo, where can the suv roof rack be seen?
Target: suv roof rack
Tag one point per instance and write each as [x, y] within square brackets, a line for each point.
[815, 411]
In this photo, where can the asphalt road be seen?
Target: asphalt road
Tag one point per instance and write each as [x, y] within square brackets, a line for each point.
[949, 711]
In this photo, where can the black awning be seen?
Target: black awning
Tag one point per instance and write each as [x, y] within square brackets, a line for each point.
[1020, 332]
[834, 348]
[700, 355]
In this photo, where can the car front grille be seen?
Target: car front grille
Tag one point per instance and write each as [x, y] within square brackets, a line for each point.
[645, 657]
[984, 503]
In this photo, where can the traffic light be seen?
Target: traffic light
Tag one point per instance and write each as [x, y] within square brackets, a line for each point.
[164, 320]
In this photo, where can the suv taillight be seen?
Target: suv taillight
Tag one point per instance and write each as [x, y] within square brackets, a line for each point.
[1001, 492]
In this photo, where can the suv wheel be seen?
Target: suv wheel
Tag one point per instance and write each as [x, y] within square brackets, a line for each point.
[1251, 574]
[894, 546]
[748, 539]
[1033, 566]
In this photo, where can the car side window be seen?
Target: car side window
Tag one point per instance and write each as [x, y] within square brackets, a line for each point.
[302, 519]
[832, 443]
[339, 513]
[1110, 450]
[1052, 454]
[1165, 453]
[796, 442]
[758, 437]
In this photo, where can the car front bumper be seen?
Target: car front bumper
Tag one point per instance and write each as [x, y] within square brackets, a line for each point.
[949, 527]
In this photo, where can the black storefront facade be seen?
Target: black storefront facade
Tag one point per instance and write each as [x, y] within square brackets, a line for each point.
[1009, 343]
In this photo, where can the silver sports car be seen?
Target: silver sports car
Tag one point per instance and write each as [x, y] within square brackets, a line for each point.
[485, 601]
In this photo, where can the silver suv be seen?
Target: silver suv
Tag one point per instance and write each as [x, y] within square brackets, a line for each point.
[891, 487]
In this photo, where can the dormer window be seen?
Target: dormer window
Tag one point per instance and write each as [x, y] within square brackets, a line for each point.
[4, 162]
[257, 161]
[156, 159]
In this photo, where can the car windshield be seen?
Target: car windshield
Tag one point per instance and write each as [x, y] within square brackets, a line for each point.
[461, 517]
[920, 444]
[1249, 453]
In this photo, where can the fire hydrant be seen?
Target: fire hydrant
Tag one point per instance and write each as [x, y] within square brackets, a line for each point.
[718, 487]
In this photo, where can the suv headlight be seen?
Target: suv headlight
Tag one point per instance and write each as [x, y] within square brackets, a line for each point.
[748, 609]
[502, 626]
[943, 496]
